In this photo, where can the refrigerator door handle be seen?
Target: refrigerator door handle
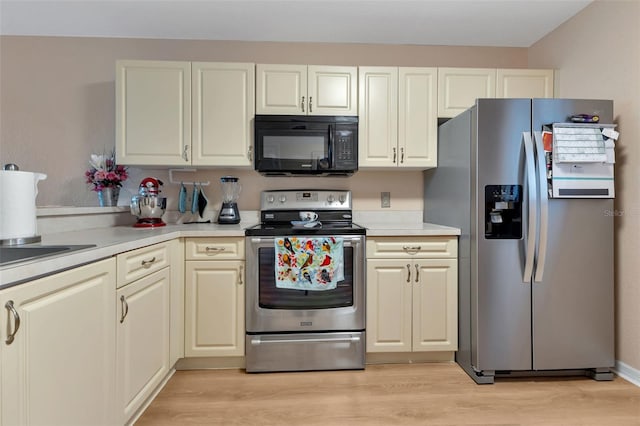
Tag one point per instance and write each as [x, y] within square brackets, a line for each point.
[544, 205]
[533, 201]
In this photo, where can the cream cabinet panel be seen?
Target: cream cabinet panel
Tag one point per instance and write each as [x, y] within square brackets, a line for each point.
[281, 89]
[416, 247]
[378, 119]
[418, 117]
[137, 263]
[332, 90]
[153, 112]
[223, 109]
[216, 248]
[458, 88]
[176, 339]
[524, 83]
[214, 308]
[389, 306]
[143, 331]
[59, 369]
[435, 301]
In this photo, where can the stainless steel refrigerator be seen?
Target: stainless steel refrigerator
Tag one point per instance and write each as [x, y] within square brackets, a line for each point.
[535, 272]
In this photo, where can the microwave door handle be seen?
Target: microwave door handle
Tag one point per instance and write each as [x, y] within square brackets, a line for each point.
[330, 148]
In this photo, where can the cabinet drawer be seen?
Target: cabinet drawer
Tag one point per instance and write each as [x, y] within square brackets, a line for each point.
[402, 247]
[214, 248]
[143, 261]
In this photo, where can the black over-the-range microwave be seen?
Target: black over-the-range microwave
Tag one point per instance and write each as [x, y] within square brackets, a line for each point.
[306, 145]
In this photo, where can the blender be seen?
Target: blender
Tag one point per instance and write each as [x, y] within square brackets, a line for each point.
[147, 206]
[229, 213]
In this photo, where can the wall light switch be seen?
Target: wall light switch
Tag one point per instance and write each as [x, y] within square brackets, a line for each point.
[385, 199]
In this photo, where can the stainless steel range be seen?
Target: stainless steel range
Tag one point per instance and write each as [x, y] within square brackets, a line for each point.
[305, 291]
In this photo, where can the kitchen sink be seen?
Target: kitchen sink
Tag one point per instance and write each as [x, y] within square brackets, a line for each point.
[14, 254]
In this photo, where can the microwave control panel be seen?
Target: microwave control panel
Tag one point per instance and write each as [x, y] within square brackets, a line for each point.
[345, 150]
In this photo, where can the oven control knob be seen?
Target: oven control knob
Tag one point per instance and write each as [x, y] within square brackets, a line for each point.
[342, 198]
[282, 199]
[330, 199]
[270, 199]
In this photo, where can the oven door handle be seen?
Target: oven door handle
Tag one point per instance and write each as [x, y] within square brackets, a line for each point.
[354, 241]
[255, 341]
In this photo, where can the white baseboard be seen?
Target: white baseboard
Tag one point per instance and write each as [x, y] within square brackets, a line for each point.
[627, 372]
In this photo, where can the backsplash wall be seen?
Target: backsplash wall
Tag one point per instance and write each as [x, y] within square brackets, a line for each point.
[57, 106]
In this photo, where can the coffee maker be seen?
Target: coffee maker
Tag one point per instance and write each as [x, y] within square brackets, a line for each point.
[231, 188]
[147, 206]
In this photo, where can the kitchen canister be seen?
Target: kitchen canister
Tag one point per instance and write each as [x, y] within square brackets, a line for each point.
[18, 190]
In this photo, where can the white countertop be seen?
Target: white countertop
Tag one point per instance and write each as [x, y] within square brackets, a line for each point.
[110, 241]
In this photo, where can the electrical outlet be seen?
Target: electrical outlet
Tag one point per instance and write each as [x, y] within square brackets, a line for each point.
[385, 199]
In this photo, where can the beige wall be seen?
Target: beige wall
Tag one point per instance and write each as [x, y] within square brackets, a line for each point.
[57, 107]
[597, 55]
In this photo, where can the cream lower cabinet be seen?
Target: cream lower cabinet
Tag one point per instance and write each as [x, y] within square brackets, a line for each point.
[398, 117]
[412, 294]
[171, 113]
[143, 325]
[59, 363]
[214, 297]
[302, 89]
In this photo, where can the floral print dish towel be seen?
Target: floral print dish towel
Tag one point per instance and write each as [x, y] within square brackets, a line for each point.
[309, 263]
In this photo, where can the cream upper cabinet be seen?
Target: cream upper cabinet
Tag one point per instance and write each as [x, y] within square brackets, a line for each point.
[214, 297]
[412, 294]
[223, 108]
[458, 88]
[398, 120]
[182, 113]
[524, 83]
[153, 112]
[59, 363]
[306, 90]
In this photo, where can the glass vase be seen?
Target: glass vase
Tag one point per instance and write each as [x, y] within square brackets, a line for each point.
[108, 197]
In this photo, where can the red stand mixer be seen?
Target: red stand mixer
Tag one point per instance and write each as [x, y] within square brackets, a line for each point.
[147, 206]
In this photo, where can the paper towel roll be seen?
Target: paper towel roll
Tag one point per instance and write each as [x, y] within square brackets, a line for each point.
[18, 192]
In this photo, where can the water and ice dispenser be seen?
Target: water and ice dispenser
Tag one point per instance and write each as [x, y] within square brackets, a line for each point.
[503, 212]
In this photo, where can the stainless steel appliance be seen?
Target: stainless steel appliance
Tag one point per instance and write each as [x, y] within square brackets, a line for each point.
[306, 145]
[147, 205]
[230, 193]
[535, 272]
[291, 329]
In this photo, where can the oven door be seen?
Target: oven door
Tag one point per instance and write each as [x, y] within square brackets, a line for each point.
[272, 309]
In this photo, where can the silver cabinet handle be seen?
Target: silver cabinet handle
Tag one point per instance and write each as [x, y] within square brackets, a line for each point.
[310, 104]
[402, 155]
[240, 276]
[394, 155]
[250, 153]
[302, 104]
[16, 319]
[411, 249]
[408, 273]
[125, 308]
[184, 153]
[210, 251]
[417, 273]
[148, 263]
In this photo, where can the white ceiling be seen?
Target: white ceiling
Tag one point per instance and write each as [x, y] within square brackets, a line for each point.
[514, 23]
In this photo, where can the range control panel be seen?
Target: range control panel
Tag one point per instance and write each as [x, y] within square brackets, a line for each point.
[303, 199]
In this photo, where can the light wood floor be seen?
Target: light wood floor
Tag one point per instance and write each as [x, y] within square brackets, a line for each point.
[416, 394]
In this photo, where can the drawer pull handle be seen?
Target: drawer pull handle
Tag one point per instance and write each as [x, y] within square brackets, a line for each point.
[148, 263]
[16, 319]
[240, 276]
[412, 249]
[214, 250]
[417, 273]
[408, 273]
[125, 308]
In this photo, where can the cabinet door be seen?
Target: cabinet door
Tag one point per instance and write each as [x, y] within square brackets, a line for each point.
[378, 123]
[281, 89]
[142, 339]
[458, 88]
[418, 117]
[223, 108]
[435, 305]
[524, 83]
[153, 112]
[214, 308]
[332, 90]
[60, 367]
[389, 287]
